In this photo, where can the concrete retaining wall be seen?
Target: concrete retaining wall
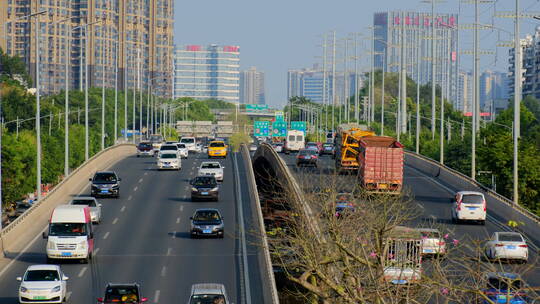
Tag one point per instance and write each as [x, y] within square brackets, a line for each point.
[25, 228]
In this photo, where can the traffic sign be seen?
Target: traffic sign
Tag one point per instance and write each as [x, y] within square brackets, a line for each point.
[256, 107]
[298, 125]
[261, 128]
[279, 115]
[279, 129]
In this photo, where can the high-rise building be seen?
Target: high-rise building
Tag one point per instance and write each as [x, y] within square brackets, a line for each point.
[252, 87]
[530, 68]
[493, 86]
[465, 92]
[130, 33]
[207, 72]
[411, 29]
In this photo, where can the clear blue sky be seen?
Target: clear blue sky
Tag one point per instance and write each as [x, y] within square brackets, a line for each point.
[277, 35]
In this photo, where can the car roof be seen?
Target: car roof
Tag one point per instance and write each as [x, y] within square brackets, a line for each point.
[206, 209]
[503, 275]
[470, 193]
[43, 267]
[98, 172]
[210, 162]
[207, 288]
[508, 233]
[90, 198]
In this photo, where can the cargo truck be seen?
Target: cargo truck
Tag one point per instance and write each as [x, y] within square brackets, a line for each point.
[403, 256]
[347, 146]
[380, 161]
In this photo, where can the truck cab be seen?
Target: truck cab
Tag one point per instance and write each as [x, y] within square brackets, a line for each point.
[70, 234]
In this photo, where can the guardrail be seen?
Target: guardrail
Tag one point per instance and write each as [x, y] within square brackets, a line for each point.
[24, 229]
[254, 193]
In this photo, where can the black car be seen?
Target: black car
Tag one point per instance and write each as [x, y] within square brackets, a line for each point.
[207, 222]
[204, 188]
[105, 183]
[328, 148]
[122, 294]
[307, 157]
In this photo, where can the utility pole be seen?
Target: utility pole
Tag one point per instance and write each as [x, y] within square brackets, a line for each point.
[356, 97]
[383, 88]
[116, 94]
[418, 126]
[126, 75]
[345, 81]
[66, 105]
[103, 87]
[333, 78]
[372, 78]
[38, 118]
[403, 118]
[135, 82]
[325, 102]
[86, 56]
[476, 90]
[518, 62]
[433, 69]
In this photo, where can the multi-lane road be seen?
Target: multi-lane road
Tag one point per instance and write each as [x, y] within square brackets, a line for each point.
[144, 237]
[433, 200]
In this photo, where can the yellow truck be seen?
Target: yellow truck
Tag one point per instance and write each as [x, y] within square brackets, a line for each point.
[217, 148]
[347, 146]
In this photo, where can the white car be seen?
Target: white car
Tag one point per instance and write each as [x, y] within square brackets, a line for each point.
[432, 242]
[170, 148]
[190, 143]
[507, 245]
[92, 203]
[183, 150]
[469, 206]
[43, 284]
[212, 168]
[208, 293]
[169, 160]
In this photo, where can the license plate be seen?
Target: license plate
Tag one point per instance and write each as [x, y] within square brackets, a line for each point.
[66, 253]
[511, 247]
[204, 193]
[40, 298]
[383, 186]
[472, 208]
[104, 191]
[207, 231]
[429, 250]
[399, 282]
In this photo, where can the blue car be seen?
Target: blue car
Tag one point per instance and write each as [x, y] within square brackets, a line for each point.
[344, 204]
[504, 288]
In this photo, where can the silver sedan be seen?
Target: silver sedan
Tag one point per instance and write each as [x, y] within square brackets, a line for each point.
[92, 203]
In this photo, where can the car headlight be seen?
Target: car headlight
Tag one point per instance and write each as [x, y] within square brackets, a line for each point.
[51, 245]
[215, 189]
[56, 289]
[194, 189]
[115, 186]
[23, 289]
[83, 244]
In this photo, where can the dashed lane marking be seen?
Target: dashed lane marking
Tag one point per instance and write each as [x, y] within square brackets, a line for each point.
[115, 221]
[96, 251]
[182, 207]
[178, 220]
[129, 198]
[123, 209]
[106, 235]
[135, 189]
[164, 271]
[169, 251]
[173, 234]
[156, 296]
[81, 273]
[140, 180]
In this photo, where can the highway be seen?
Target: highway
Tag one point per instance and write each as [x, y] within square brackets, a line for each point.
[434, 201]
[144, 237]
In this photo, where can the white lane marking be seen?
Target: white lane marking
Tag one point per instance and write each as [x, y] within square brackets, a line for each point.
[156, 296]
[81, 273]
[169, 251]
[140, 180]
[129, 198]
[164, 271]
[420, 205]
[68, 295]
[115, 221]
[96, 251]
[135, 189]
[173, 234]
[106, 235]
[182, 207]
[178, 220]
[123, 209]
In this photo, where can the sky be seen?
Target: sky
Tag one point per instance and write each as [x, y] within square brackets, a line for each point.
[277, 35]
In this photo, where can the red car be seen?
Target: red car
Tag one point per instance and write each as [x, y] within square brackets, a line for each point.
[307, 157]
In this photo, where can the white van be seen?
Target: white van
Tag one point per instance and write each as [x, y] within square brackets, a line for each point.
[295, 141]
[190, 143]
[70, 233]
[469, 206]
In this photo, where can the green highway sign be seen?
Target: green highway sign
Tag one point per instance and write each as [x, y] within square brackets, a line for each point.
[298, 125]
[279, 115]
[261, 128]
[256, 108]
[279, 129]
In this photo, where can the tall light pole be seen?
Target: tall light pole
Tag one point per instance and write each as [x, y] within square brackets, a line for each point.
[418, 53]
[126, 71]
[517, 102]
[325, 104]
[66, 121]
[116, 94]
[403, 74]
[333, 78]
[102, 87]
[476, 90]
[433, 69]
[372, 79]
[38, 119]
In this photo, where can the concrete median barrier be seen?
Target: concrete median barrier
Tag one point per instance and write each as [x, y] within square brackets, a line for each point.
[21, 232]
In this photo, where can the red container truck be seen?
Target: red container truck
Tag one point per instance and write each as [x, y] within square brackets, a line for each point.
[381, 164]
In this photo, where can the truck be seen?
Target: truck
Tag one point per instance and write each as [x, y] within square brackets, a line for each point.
[380, 161]
[295, 141]
[347, 144]
[402, 255]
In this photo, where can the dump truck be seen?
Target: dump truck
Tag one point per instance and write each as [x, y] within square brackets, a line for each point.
[347, 143]
[380, 161]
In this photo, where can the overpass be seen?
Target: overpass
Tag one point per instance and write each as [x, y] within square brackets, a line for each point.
[144, 235]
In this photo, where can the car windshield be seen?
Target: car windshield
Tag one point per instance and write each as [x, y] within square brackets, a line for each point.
[156, 138]
[306, 152]
[67, 229]
[181, 146]
[473, 199]
[291, 137]
[84, 202]
[205, 181]
[41, 275]
[207, 216]
[343, 197]
[210, 166]
[167, 155]
[145, 145]
[207, 299]
[168, 148]
[328, 145]
[105, 178]
[122, 294]
[510, 237]
[502, 284]
[188, 140]
[430, 234]
[217, 145]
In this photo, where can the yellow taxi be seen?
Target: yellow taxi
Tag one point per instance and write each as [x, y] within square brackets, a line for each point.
[217, 148]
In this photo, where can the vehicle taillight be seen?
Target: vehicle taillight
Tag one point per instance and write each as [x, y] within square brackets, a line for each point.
[459, 205]
[499, 245]
[442, 243]
[484, 202]
[523, 246]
